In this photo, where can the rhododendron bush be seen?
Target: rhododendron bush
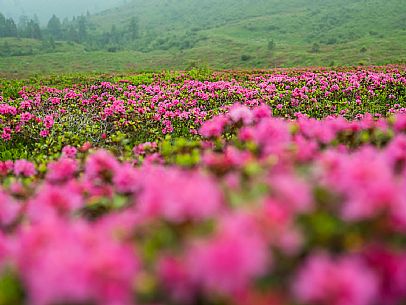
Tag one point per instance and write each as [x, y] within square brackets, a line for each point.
[274, 189]
[120, 114]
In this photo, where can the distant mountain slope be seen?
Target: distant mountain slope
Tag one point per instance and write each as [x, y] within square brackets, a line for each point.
[269, 31]
[307, 19]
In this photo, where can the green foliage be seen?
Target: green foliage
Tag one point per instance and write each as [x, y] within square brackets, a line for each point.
[199, 72]
[8, 27]
[271, 45]
[315, 48]
[14, 150]
[157, 34]
[11, 291]
[245, 57]
[54, 27]
[75, 127]
[181, 151]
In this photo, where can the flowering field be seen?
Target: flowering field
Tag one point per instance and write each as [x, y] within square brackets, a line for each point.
[282, 188]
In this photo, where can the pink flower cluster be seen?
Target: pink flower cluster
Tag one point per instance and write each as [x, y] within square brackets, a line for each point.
[18, 168]
[66, 261]
[293, 210]
[346, 281]
[165, 105]
[271, 210]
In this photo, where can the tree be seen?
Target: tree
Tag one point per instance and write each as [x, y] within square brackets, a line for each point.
[82, 29]
[8, 27]
[11, 28]
[22, 26]
[72, 34]
[31, 30]
[54, 27]
[315, 48]
[271, 45]
[36, 19]
[114, 35]
[133, 28]
[35, 30]
[2, 25]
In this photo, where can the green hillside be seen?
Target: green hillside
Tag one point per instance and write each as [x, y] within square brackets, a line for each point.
[10, 46]
[247, 23]
[176, 34]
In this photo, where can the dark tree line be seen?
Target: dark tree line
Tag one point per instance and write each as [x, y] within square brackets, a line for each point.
[74, 30]
[8, 28]
[83, 31]
[26, 28]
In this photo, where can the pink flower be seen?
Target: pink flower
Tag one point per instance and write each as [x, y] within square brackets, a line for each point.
[55, 100]
[391, 268]
[9, 210]
[400, 122]
[6, 135]
[293, 192]
[69, 151]
[213, 127]
[52, 201]
[25, 104]
[395, 152]
[16, 188]
[271, 135]
[307, 150]
[176, 280]
[154, 158]
[344, 281]
[241, 113]
[177, 195]
[229, 261]
[222, 162]
[4, 249]
[24, 168]
[278, 220]
[6, 167]
[48, 121]
[85, 147]
[62, 262]
[121, 223]
[144, 148]
[263, 111]
[126, 179]
[364, 179]
[101, 165]
[44, 133]
[25, 117]
[61, 170]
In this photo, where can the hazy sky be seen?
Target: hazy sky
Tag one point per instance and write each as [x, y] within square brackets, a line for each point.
[62, 8]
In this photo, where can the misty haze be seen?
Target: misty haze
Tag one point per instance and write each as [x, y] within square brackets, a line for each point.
[44, 9]
[203, 152]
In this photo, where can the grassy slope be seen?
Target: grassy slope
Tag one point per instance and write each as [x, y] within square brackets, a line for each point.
[228, 29]
[34, 46]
